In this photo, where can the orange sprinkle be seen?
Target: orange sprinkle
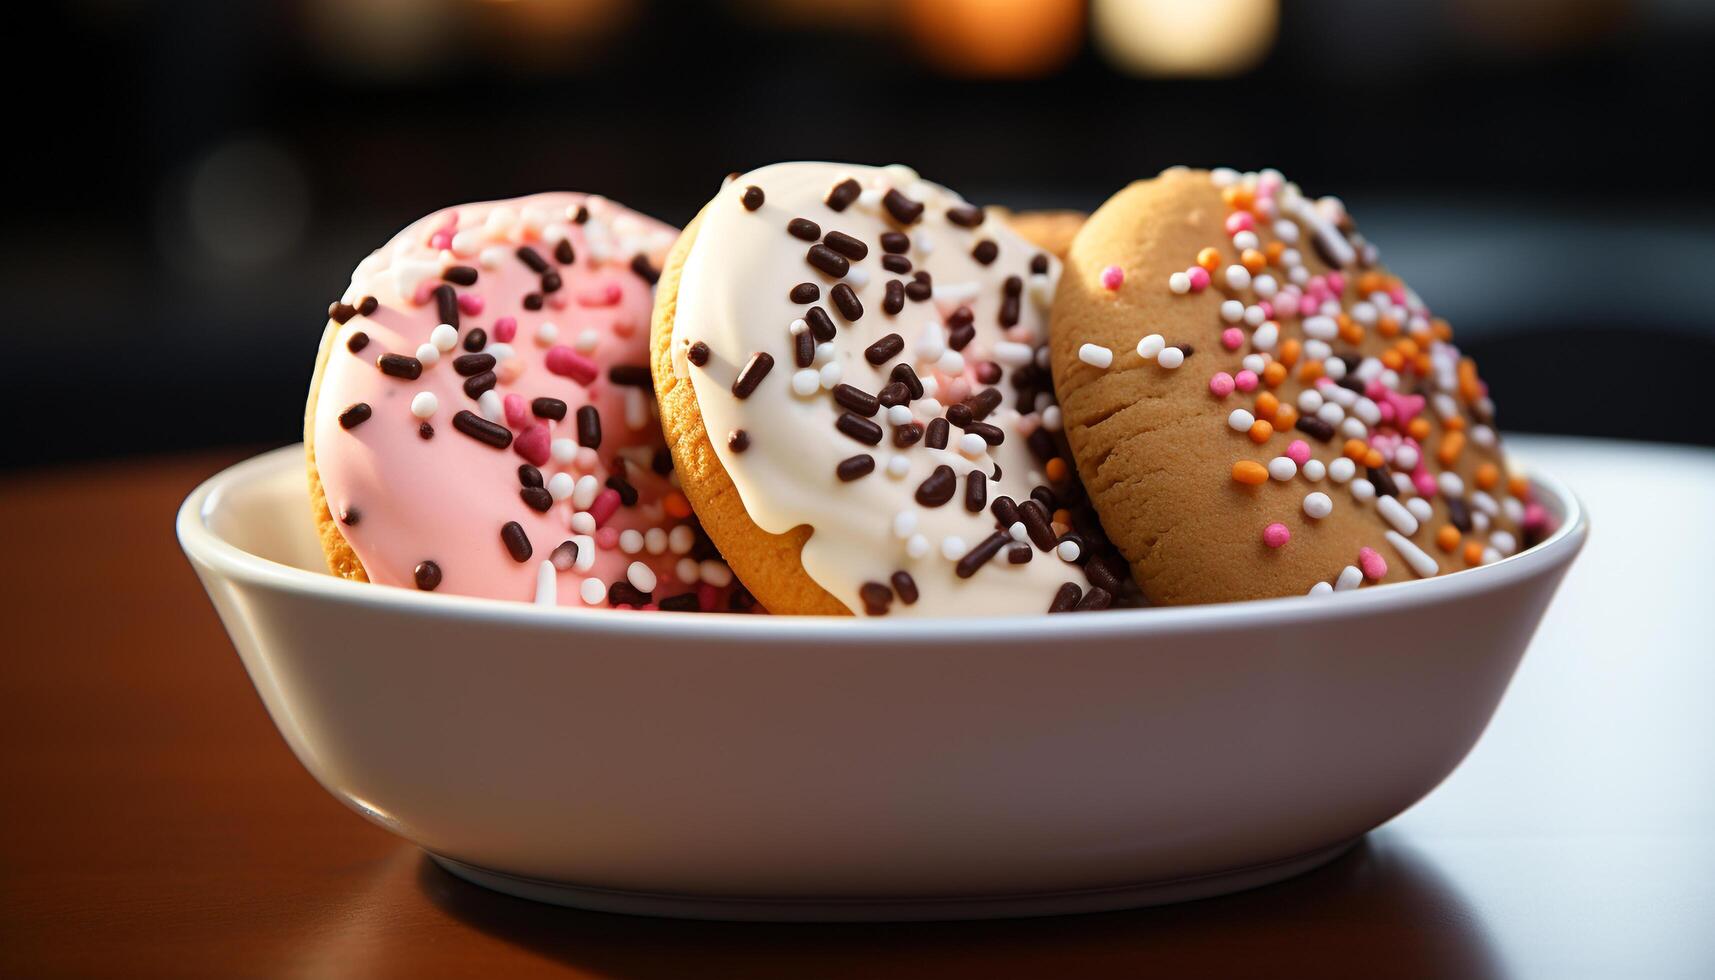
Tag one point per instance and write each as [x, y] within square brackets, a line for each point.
[1441, 328]
[1387, 326]
[1239, 197]
[1274, 374]
[1267, 405]
[1473, 553]
[1285, 417]
[1309, 371]
[1351, 331]
[1393, 359]
[1063, 516]
[1253, 260]
[1487, 476]
[1469, 387]
[1447, 538]
[1519, 486]
[1056, 470]
[1260, 432]
[1452, 444]
[1250, 472]
[1356, 450]
[1421, 363]
[1455, 424]
[1274, 250]
[1209, 259]
[1374, 458]
[1406, 346]
[1290, 348]
[676, 505]
[1371, 282]
[1418, 429]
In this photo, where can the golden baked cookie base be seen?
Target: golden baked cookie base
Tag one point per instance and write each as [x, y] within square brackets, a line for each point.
[341, 559]
[1050, 231]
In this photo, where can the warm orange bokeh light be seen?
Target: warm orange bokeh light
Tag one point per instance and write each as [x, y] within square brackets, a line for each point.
[996, 38]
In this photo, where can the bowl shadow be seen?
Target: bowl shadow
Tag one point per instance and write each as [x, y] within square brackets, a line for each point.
[1382, 908]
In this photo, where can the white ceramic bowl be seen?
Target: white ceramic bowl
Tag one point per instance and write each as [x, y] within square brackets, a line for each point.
[759, 767]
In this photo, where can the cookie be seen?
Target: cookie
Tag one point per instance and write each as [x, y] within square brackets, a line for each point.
[850, 367]
[481, 419]
[1050, 231]
[1259, 408]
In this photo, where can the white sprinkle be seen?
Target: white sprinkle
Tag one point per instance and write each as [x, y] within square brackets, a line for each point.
[1266, 336]
[1451, 485]
[1245, 240]
[546, 334]
[806, 382]
[1420, 509]
[1318, 350]
[546, 593]
[1051, 418]
[631, 541]
[1238, 277]
[1331, 413]
[424, 404]
[1254, 363]
[502, 352]
[1318, 505]
[951, 362]
[1018, 531]
[953, 547]
[956, 292]
[824, 352]
[831, 373]
[972, 445]
[1321, 588]
[1282, 468]
[1363, 491]
[429, 354]
[592, 591]
[715, 572]
[1179, 283]
[1414, 556]
[1353, 429]
[917, 546]
[1335, 368]
[637, 407]
[1232, 311]
[687, 570]
[1490, 556]
[588, 339]
[681, 539]
[1395, 514]
[1503, 542]
[858, 278]
[932, 341]
[1067, 550]
[797, 327]
[1286, 231]
[1485, 503]
[1012, 354]
[898, 414]
[1265, 286]
[1170, 357]
[445, 337]
[898, 466]
[1320, 327]
[1223, 176]
[491, 406]
[1342, 469]
[1365, 409]
[1483, 436]
[1350, 578]
[1405, 457]
[1513, 509]
[583, 522]
[1151, 346]
[1314, 470]
[1254, 316]
[655, 541]
[904, 524]
[584, 494]
[641, 577]
[560, 486]
[1240, 420]
[1096, 355]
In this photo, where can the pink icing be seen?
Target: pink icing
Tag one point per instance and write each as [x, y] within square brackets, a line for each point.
[446, 498]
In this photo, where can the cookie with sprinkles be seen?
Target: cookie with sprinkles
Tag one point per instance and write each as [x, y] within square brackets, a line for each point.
[481, 422]
[1259, 408]
[880, 344]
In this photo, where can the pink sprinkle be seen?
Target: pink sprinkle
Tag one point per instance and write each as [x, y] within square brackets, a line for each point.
[441, 240]
[1113, 277]
[607, 538]
[1535, 518]
[425, 290]
[1397, 294]
[1199, 277]
[1267, 309]
[558, 301]
[515, 411]
[706, 596]
[1221, 385]
[564, 361]
[1275, 535]
[505, 329]
[607, 294]
[1373, 565]
[1240, 221]
[1425, 484]
[605, 504]
[1307, 306]
[533, 443]
[649, 607]
[470, 304]
[1245, 380]
[1232, 337]
[1337, 282]
[1298, 451]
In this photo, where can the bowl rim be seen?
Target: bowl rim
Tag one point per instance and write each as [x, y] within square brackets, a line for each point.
[202, 545]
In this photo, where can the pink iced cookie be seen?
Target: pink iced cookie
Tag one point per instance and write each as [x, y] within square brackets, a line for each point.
[481, 419]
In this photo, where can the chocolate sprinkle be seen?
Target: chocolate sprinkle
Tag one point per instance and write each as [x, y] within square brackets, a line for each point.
[842, 194]
[1314, 427]
[990, 434]
[622, 486]
[853, 467]
[349, 515]
[738, 440]
[1005, 511]
[357, 342]
[537, 498]
[340, 312]
[903, 209]
[400, 366]
[582, 216]
[965, 215]
[564, 555]
[936, 437]
[938, 487]
[626, 594]
[1459, 514]
[893, 393]
[896, 263]
[984, 402]
[959, 415]
[893, 297]
[427, 575]
[1039, 264]
[425, 431]
[476, 340]
[532, 258]
[475, 385]
[846, 245]
[645, 271]
[447, 304]
[979, 556]
[1035, 519]
[1066, 599]
[355, 416]
[902, 372]
[752, 198]
[367, 306]
[976, 491]
[804, 228]
[846, 302]
[462, 275]
[563, 252]
[517, 542]
[469, 364]
[821, 324]
[698, 353]
[883, 350]
[551, 282]
[1096, 598]
[629, 375]
[548, 408]
[986, 251]
[529, 475]
[482, 430]
[1018, 553]
[907, 435]
[804, 293]
[828, 261]
[876, 598]
[683, 602]
[532, 301]
[754, 371]
[803, 349]
[589, 427]
[896, 242]
[1383, 482]
[905, 586]
[859, 428]
[919, 288]
[856, 399]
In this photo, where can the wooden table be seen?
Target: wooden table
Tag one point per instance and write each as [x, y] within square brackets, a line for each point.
[154, 823]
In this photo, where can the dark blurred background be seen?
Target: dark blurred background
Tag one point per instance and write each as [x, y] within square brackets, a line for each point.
[197, 178]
